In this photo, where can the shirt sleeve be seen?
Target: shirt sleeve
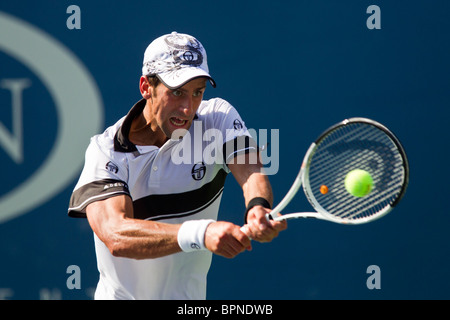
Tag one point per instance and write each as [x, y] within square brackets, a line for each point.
[104, 175]
[237, 139]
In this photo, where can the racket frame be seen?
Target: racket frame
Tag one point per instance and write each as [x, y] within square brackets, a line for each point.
[303, 179]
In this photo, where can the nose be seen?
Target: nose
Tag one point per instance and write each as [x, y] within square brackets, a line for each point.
[187, 107]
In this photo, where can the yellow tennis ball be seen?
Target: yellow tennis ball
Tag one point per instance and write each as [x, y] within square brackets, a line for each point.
[358, 183]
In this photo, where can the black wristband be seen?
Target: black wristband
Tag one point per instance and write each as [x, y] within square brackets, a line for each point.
[258, 201]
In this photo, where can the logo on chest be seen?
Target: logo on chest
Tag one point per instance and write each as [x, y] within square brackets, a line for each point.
[198, 171]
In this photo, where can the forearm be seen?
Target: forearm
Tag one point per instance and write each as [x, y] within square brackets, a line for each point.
[160, 239]
[251, 179]
[141, 239]
[257, 185]
[113, 223]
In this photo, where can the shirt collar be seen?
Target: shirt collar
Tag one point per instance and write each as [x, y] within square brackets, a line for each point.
[121, 141]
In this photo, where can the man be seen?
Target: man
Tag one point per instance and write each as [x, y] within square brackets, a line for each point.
[154, 218]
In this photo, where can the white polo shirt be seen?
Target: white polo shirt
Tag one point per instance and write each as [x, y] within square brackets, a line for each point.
[183, 180]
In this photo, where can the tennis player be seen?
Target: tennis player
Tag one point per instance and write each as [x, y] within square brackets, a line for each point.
[154, 219]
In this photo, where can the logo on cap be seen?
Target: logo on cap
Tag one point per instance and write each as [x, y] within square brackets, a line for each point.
[185, 50]
[237, 125]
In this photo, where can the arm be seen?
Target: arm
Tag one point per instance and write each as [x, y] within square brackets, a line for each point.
[112, 221]
[256, 184]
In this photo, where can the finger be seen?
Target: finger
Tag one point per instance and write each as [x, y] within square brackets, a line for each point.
[279, 225]
[233, 248]
[244, 238]
[263, 231]
[244, 229]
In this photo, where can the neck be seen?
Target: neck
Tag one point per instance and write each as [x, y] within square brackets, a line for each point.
[145, 132]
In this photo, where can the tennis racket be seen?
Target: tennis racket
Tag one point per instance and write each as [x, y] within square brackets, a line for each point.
[356, 143]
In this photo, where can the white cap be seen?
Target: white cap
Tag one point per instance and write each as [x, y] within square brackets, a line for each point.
[176, 59]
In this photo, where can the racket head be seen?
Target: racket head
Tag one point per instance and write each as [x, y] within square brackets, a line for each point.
[355, 143]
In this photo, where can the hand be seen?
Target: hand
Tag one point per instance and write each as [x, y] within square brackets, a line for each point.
[226, 239]
[259, 229]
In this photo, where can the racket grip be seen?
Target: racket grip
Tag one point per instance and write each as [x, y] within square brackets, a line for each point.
[268, 217]
[244, 230]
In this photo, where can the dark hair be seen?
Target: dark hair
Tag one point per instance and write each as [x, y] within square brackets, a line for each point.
[153, 80]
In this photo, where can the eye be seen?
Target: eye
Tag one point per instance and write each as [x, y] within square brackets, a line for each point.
[177, 93]
[198, 93]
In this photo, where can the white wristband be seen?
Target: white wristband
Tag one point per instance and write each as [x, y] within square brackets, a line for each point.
[191, 236]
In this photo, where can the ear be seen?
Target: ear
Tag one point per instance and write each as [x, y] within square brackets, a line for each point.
[145, 88]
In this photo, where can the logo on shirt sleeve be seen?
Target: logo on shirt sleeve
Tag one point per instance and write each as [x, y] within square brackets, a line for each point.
[112, 167]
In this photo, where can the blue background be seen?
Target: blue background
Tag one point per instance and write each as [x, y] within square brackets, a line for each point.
[296, 66]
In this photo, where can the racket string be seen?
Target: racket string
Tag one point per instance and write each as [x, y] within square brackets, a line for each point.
[354, 146]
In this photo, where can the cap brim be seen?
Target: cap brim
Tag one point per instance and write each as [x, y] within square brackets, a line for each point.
[178, 78]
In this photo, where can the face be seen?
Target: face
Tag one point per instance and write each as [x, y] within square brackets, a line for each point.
[170, 110]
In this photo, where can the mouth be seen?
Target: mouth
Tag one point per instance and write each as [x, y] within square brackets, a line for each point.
[177, 122]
